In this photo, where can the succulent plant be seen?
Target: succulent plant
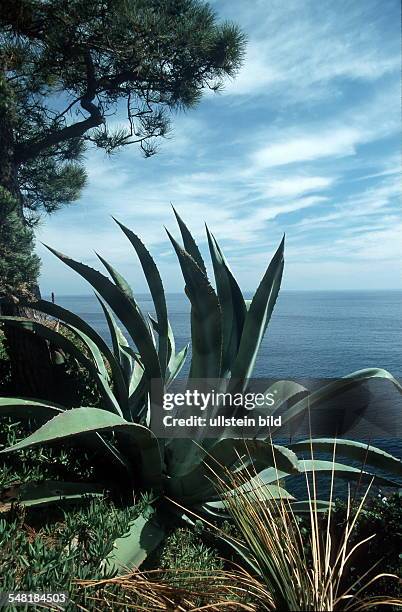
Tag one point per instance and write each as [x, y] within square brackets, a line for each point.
[226, 333]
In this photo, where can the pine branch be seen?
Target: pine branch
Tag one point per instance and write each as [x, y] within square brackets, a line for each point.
[32, 148]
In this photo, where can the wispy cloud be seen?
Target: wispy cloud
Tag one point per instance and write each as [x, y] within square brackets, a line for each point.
[305, 48]
[305, 141]
[306, 148]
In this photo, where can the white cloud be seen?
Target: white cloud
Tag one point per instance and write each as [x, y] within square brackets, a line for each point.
[338, 143]
[296, 185]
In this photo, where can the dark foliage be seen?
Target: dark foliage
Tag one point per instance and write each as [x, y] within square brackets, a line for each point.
[383, 517]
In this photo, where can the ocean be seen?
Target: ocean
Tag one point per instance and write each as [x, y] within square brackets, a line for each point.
[312, 334]
[317, 334]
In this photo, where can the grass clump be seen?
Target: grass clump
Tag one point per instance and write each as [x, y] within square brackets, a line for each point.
[287, 566]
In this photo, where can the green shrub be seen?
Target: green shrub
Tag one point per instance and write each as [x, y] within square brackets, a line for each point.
[184, 549]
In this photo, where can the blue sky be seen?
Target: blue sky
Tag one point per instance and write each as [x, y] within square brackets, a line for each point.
[304, 141]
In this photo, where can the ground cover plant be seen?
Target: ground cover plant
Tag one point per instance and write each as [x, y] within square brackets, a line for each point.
[226, 335]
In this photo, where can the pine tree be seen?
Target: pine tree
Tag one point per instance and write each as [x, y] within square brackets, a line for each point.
[18, 263]
[69, 67]
[66, 70]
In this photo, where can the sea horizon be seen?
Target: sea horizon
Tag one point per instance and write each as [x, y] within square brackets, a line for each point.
[250, 291]
[312, 336]
[311, 333]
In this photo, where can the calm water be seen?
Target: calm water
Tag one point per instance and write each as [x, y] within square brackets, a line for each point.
[311, 334]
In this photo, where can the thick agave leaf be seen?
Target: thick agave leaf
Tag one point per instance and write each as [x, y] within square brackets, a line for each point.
[139, 386]
[261, 490]
[255, 489]
[334, 388]
[364, 453]
[118, 279]
[228, 451]
[206, 330]
[157, 292]
[189, 243]
[175, 360]
[240, 303]
[136, 439]
[176, 363]
[59, 340]
[136, 377]
[132, 354]
[305, 506]
[92, 349]
[119, 343]
[270, 475]
[151, 330]
[341, 470]
[21, 409]
[213, 509]
[258, 316]
[77, 323]
[198, 486]
[36, 494]
[131, 550]
[125, 310]
[284, 391]
[171, 342]
[261, 493]
[344, 471]
[232, 305]
[139, 402]
[74, 422]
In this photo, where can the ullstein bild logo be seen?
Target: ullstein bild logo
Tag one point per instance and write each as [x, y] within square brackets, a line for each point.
[221, 421]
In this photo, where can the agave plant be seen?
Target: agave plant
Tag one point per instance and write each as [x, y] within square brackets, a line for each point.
[226, 333]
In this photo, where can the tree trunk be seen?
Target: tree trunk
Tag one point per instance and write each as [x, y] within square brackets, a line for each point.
[30, 358]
